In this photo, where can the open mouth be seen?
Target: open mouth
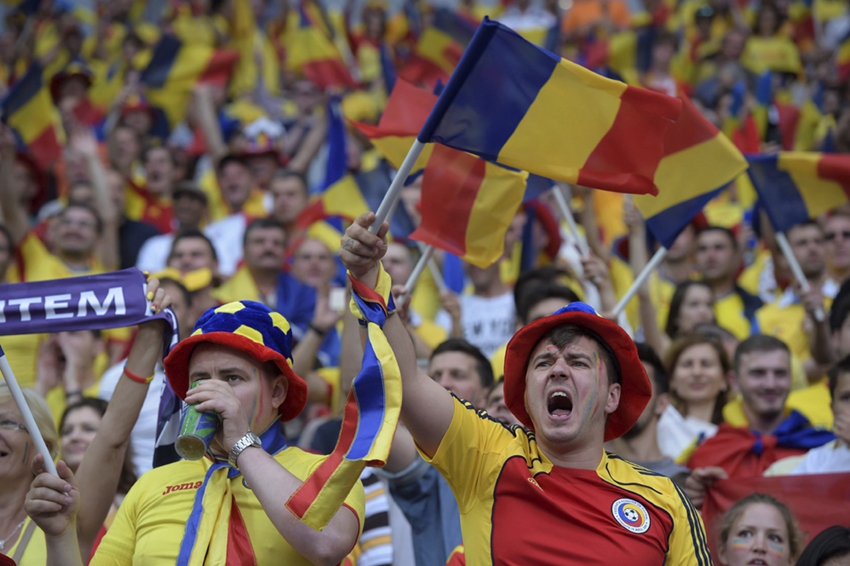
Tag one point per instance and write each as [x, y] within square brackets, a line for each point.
[757, 561]
[559, 404]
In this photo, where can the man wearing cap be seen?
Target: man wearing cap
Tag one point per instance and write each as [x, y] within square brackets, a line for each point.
[229, 507]
[547, 493]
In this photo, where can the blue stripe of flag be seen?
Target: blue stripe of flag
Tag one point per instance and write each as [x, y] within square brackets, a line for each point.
[165, 53]
[669, 223]
[777, 191]
[23, 91]
[372, 404]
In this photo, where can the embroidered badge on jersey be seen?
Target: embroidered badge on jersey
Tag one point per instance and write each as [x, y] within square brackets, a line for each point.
[631, 515]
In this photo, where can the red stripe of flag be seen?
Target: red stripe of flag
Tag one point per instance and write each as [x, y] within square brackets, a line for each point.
[835, 167]
[219, 67]
[326, 73]
[45, 148]
[636, 133]
[304, 497]
[449, 189]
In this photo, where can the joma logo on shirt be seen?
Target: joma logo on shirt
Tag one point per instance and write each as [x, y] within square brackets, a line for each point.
[182, 486]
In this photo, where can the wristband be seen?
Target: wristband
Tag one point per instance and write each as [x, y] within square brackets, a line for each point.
[381, 294]
[317, 330]
[137, 378]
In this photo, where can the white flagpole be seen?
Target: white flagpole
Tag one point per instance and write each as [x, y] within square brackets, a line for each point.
[796, 269]
[433, 268]
[395, 187]
[428, 251]
[640, 280]
[26, 413]
[563, 194]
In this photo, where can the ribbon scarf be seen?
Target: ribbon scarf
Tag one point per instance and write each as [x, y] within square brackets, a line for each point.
[369, 421]
[215, 532]
[94, 302]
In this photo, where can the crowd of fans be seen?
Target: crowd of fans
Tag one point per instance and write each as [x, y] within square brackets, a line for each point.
[209, 203]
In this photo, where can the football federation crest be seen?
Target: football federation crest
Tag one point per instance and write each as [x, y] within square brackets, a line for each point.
[631, 515]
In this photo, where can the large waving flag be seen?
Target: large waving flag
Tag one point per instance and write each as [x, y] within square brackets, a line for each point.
[698, 163]
[176, 67]
[310, 49]
[794, 187]
[438, 49]
[369, 421]
[512, 102]
[467, 205]
[28, 109]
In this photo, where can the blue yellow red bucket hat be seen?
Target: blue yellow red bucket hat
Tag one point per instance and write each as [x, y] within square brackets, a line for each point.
[635, 386]
[252, 328]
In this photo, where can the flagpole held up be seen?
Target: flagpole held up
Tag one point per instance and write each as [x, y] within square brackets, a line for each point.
[427, 253]
[395, 187]
[26, 413]
[640, 280]
[563, 194]
[796, 269]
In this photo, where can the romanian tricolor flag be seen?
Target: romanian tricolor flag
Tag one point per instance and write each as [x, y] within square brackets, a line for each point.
[794, 187]
[176, 67]
[698, 162]
[310, 49]
[467, 205]
[512, 102]
[28, 109]
[369, 421]
[438, 49]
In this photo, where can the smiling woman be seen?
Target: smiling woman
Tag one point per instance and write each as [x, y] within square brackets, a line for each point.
[19, 537]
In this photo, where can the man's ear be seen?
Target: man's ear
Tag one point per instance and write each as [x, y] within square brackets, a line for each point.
[279, 390]
[613, 400]
[661, 404]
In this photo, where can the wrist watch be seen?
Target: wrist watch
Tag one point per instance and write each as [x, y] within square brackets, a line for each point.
[250, 439]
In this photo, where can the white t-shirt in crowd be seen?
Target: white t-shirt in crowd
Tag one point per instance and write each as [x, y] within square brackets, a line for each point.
[676, 433]
[143, 435]
[226, 235]
[488, 322]
[153, 256]
[832, 457]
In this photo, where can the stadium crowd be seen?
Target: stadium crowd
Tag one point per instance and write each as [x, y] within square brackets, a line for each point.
[198, 141]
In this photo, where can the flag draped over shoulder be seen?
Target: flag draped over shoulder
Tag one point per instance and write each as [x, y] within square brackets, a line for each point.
[467, 203]
[698, 162]
[28, 109]
[512, 102]
[176, 67]
[369, 421]
[796, 186]
[94, 302]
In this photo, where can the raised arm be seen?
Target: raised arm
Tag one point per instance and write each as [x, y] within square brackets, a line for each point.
[428, 408]
[100, 469]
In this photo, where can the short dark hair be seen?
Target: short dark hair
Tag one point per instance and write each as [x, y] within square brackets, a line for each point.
[727, 231]
[758, 343]
[842, 366]
[672, 327]
[832, 542]
[482, 364]
[189, 233]
[647, 355]
[98, 221]
[172, 156]
[840, 309]
[537, 292]
[562, 336]
[536, 277]
[281, 174]
[259, 224]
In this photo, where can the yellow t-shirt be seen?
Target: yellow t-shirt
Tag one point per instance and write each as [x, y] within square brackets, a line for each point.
[152, 519]
[38, 264]
[814, 402]
[35, 552]
[507, 491]
[729, 311]
[22, 353]
[240, 287]
[776, 53]
[785, 321]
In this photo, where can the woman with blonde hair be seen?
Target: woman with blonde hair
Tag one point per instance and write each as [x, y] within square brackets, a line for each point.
[20, 538]
[699, 371]
[759, 529]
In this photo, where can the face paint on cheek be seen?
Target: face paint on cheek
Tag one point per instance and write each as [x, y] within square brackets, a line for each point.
[740, 545]
[776, 549]
[588, 404]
